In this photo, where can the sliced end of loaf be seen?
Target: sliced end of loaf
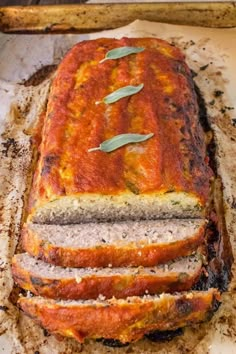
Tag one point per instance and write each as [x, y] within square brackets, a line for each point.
[87, 208]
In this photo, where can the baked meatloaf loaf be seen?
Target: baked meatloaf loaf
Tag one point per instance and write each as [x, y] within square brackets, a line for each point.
[107, 227]
[165, 176]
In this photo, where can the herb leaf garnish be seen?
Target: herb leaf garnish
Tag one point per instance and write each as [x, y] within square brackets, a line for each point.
[121, 52]
[122, 92]
[120, 140]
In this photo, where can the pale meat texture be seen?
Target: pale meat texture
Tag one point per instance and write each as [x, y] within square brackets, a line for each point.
[127, 243]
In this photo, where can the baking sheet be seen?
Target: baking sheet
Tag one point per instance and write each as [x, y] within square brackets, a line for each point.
[210, 54]
[87, 17]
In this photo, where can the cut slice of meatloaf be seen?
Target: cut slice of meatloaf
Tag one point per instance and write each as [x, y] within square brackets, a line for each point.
[131, 243]
[125, 320]
[88, 283]
[163, 177]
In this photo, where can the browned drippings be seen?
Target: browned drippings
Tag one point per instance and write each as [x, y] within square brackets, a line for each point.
[40, 75]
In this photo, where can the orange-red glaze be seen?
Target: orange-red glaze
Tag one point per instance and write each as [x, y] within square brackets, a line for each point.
[123, 321]
[146, 255]
[174, 159]
[91, 286]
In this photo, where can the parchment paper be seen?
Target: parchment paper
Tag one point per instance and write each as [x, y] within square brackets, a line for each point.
[211, 54]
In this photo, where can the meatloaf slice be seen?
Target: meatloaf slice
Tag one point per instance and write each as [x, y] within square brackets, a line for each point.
[116, 244]
[125, 320]
[163, 177]
[87, 283]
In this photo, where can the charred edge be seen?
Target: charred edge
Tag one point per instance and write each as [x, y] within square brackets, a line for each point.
[39, 76]
[218, 270]
[215, 306]
[202, 109]
[184, 307]
[218, 278]
[37, 281]
[218, 273]
[158, 336]
[213, 236]
[193, 73]
[3, 308]
[48, 163]
[203, 117]
[46, 333]
[164, 336]
[113, 343]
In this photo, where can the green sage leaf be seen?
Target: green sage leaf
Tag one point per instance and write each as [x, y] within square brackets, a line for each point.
[120, 140]
[122, 92]
[121, 52]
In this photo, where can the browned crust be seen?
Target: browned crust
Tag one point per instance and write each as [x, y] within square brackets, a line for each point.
[126, 321]
[66, 168]
[102, 256]
[91, 286]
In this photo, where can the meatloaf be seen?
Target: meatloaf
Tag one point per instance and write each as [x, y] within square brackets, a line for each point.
[165, 176]
[129, 213]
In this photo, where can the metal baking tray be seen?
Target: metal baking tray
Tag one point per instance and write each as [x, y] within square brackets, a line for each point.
[83, 18]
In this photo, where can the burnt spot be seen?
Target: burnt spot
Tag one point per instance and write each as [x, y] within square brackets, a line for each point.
[222, 110]
[217, 272]
[180, 68]
[46, 333]
[233, 204]
[3, 308]
[212, 252]
[40, 75]
[233, 122]
[193, 74]
[212, 102]
[40, 282]
[183, 277]
[216, 275]
[219, 275]
[48, 163]
[204, 67]
[218, 93]
[191, 165]
[132, 187]
[37, 281]
[203, 117]
[215, 306]
[10, 146]
[113, 343]
[184, 307]
[164, 336]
